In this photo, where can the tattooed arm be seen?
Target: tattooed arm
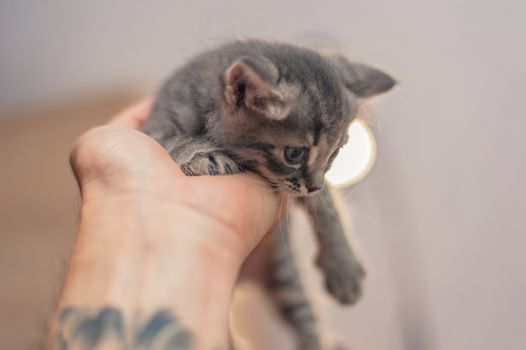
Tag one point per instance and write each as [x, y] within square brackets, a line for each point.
[157, 253]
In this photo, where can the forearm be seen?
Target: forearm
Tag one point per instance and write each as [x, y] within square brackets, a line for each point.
[144, 257]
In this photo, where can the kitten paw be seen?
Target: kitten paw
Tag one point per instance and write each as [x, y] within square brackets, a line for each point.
[210, 163]
[343, 277]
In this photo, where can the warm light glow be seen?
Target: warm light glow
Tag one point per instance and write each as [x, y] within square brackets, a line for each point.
[356, 158]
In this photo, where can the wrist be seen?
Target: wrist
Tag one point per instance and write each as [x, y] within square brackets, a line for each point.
[143, 255]
[155, 221]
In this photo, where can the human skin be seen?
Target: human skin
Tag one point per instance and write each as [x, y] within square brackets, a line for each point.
[152, 240]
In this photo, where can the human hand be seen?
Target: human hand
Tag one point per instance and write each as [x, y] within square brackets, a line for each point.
[118, 160]
[153, 243]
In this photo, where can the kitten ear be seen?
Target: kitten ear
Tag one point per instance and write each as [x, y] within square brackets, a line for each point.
[248, 84]
[362, 80]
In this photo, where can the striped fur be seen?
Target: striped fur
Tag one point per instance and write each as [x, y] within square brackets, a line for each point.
[286, 289]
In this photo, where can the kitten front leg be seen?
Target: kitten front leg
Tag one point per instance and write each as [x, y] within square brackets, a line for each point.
[214, 162]
[343, 272]
[198, 156]
[195, 154]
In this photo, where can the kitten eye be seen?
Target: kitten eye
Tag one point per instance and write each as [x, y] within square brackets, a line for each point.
[295, 155]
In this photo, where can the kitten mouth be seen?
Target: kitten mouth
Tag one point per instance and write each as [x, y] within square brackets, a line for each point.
[311, 193]
[297, 190]
[292, 187]
[294, 190]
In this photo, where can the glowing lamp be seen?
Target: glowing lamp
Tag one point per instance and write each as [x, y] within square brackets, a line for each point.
[356, 158]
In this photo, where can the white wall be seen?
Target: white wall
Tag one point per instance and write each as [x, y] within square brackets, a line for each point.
[442, 215]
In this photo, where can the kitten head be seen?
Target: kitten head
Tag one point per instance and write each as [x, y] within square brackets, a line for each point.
[286, 117]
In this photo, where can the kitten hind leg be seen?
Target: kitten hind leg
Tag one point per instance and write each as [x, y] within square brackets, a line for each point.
[287, 292]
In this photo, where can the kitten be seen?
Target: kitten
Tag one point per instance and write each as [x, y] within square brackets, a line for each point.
[281, 112]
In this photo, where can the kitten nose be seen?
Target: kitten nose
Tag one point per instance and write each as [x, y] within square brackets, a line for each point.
[313, 188]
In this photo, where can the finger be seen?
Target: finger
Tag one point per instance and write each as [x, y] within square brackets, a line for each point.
[135, 115]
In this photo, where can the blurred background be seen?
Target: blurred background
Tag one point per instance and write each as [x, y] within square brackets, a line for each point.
[440, 218]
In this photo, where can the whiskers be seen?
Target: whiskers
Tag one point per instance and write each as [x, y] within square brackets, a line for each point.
[293, 186]
[269, 184]
[252, 164]
[284, 222]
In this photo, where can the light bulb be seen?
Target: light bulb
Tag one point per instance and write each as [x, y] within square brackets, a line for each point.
[356, 158]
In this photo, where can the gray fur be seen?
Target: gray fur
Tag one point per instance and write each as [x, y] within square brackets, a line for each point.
[240, 106]
[256, 92]
[287, 292]
[343, 272]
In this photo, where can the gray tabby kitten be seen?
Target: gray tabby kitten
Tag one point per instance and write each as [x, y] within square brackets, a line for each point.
[281, 112]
